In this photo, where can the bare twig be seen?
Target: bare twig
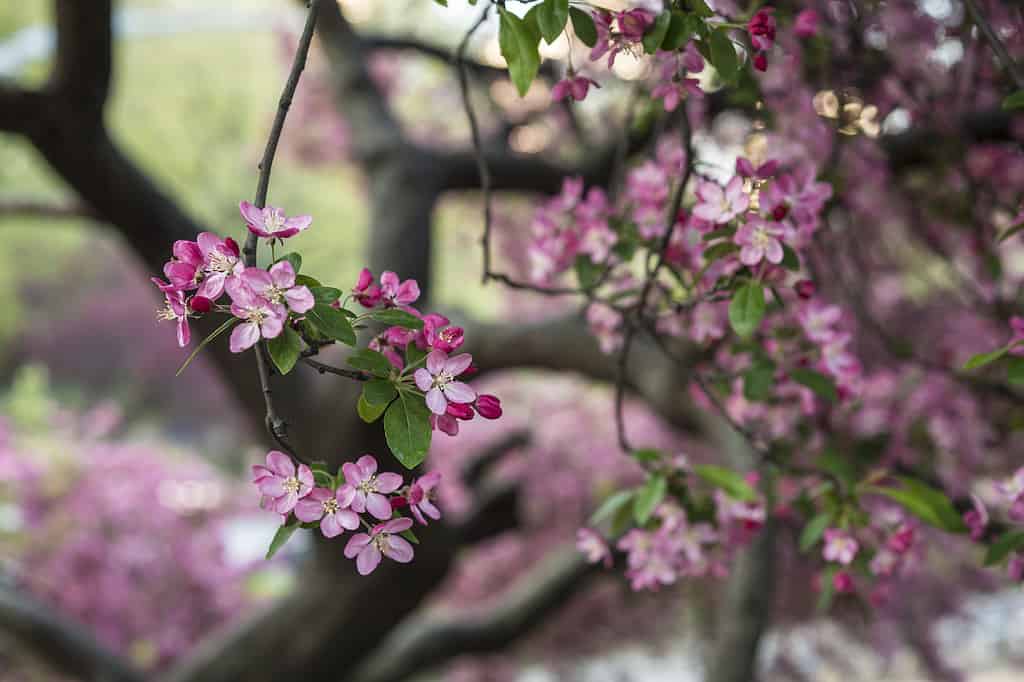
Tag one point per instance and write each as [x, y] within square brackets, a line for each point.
[995, 43]
[277, 426]
[324, 368]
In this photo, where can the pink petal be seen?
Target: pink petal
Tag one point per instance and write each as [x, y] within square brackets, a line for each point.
[285, 504]
[388, 482]
[436, 401]
[458, 392]
[280, 463]
[345, 495]
[353, 474]
[367, 464]
[368, 560]
[423, 379]
[436, 361]
[429, 509]
[398, 549]
[270, 486]
[329, 526]
[347, 519]
[300, 299]
[272, 327]
[408, 292]
[458, 364]
[355, 545]
[184, 334]
[774, 252]
[253, 216]
[282, 274]
[299, 223]
[244, 337]
[378, 506]
[397, 525]
[309, 510]
[305, 476]
[751, 255]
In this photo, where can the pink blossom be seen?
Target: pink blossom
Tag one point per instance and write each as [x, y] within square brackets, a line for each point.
[806, 23]
[260, 317]
[278, 286]
[281, 483]
[326, 506]
[1012, 491]
[746, 169]
[590, 543]
[976, 519]
[365, 489]
[761, 28]
[366, 290]
[884, 563]
[720, 205]
[175, 309]
[902, 539]
[382, 540]
[221, 261]
[271, 222]
[395, 293]
[759, 240]
[185, 269]
[421, 497]
[438, 380]
[840, 546]
[488, 406]
[819, 321]
[842, 582]
[805, 289]
[574, 87]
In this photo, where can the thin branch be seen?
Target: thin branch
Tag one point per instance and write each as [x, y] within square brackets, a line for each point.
[429, 50]
[995, 43]
[276, 426]
[324, 368]
[20, 207]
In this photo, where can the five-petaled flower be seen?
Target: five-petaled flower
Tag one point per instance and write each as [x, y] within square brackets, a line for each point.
[364, 489]
[271, 222]
[840, 546]
[326, 506]
[281, 482]
[176, 309]
[759, 240]
[260, 317]
[382, 540]
[438, 380]
[718, 204]
[278, 286]
[421, 497]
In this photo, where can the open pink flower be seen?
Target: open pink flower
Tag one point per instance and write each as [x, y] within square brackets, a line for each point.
[366, 290]
[395, 293]
[574, 87]
[271, 222]
[718, 204]
[281, 483]
[176, 309]
[759, 240]
[185, 270]
[590, 543]
[260, 317]
[1012, 491]
[325, 506]
[761, 28]
[437, 380]
[365, 489]
[806, 23]
[278, 286]
[382, 540]
[840, 546]
[421, 497]
[221, 260]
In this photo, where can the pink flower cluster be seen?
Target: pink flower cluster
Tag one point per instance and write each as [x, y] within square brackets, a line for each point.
[619, 32]
[346, 502]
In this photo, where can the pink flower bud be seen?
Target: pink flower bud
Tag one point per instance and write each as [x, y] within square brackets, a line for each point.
[461, 411]
[200, 304]
[842, 582]
[805, 289]
[760, 62]
[806, 24]
[488, 406]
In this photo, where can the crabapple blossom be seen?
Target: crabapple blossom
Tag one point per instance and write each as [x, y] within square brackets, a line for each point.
[421, 495]
[806, 23]
[395, 293]
[383, 539]
[759, 240]
[718, 204]
[278, 286]
[840, 546]
[590, 543]
[260, 317]
[574, 87]
[221, 261]
[366, 291]
[364, 489]
[488, 406]
[438, 380]
[271, 222]
[325, 505]
[1012, 491]
[281, 483]
[176, 310]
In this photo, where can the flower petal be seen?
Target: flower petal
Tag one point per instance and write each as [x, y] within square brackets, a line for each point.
[309, 510]
[368, 560]
[458, 364]
[378, 506]
[423, 379]
[243, 337]
[398, 549]
[280, 463]
[436, 401]
[388, 482]
[458, 392]
[355, 545]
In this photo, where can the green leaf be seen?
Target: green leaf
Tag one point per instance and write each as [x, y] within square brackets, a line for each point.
[551, 18]
[230, 322]
[700, 8]
[1014, 101]
[647, 455]
[283, 535]
[678, 32]
[758, 381]
[306, 281]
[728, 480]
[379, 391]
[982, 359]
[583, 26]
[285, 349]
[790, 260]
[813, 531]
[746, 309]
[720, 233]
[393, 317]
[649, 497]
[332, 323]
[588, 273]
[653, 38]
[828, 588]
[926, 503]
[723, 55]
[367, 412]
[1008, 543]
[414, 355]
[293, 258]
[371, 361]
[519, 40]
[410, 536]
[323, 479]
[612, 504]
[326, 295]
[407, 429]
[719, 250]
[816, 381]
[1015, 371]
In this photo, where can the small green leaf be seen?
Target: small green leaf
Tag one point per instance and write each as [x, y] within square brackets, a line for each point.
[285, 349]
[719, 250]
[583, 26]
[407, 429]
[720, 233]
[371, 361]
[928, 504]
[379, 391]
[323, 479]
[283, 535]
[326, 295]
[332, 323]
[393, 317]
[519, 40]
[1014, 101]
[728, 480]
[828, 588]
[678, 32]
[649, 497]
[410, 536]
[611, 505]
[306, 281]
[653, 38]
[588, 273]
[1008, 543]
[790, 260]
[723, 55]
[414, 356]
[758, 381]
[551, 18]
[294, 259]
[647, 455]
[367, 412]
[1015, 371]
[230, 322]
[700, 8]
[813, 531]
[982, 359]
[746, 310]
[816, 381]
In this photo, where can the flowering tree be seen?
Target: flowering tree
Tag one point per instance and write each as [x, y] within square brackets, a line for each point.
[821, 298]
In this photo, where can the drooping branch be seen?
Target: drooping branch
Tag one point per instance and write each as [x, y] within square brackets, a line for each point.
[432, 639]
[60, 642]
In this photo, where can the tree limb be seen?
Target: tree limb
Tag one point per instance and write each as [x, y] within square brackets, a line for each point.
[20, 207]
[84, 59]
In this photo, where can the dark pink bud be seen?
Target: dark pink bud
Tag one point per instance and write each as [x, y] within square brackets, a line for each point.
[780, 212]
[902, 539]
[200, 304]
[806, 24]
[488, 406]
[461, 411]
[365, 280]
[450, 339]
[232, 246]
[805, 289]
[398, 502]
[760, 62]
[767, 170]
[472, 370]
[842, 582]
[744, 168]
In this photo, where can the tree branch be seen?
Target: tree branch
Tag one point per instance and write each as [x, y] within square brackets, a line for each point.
[430, 640]
[995, 43]
[19, 107]
[81, 74]
[18, 207]
[60, 642]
